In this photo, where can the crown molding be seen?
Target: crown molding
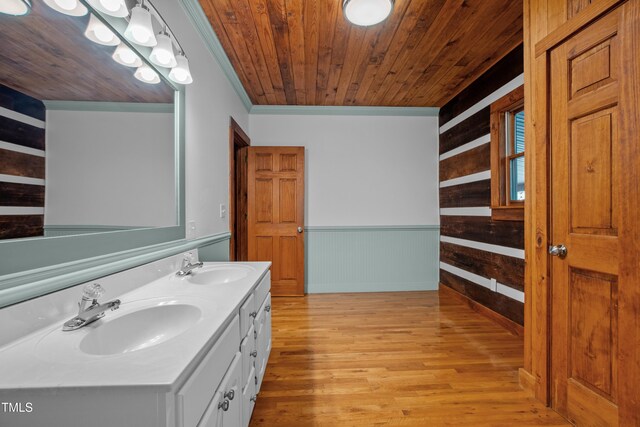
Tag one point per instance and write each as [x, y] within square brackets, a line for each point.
[326, 110]
[118, 107]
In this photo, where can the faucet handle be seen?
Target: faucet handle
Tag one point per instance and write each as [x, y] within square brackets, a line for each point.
[93, 291]
[187, 259]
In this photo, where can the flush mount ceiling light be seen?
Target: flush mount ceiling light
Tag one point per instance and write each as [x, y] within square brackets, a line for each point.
[181, 73]
[68, 7]
[162, 54]
[367, 12]
[117, 8]
[15, 7]
[140, 28]
[146, 74]
[125, 56]
[99, 33]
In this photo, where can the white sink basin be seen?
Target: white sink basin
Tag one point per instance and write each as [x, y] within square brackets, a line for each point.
[140, 329]
[137, 325]
[219, 274]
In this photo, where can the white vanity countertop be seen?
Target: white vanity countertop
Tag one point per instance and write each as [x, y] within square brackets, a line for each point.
[51, 358]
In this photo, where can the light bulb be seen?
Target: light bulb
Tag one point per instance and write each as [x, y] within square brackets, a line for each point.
[367, 12]
[67, 4]
[162, 54]
[140, 28]
[125, 56]
[111, 5]
[99, 33]
[116, 8]
[15, 7]
[181, 73]
[141, 34]
[146, 74]
[104, 34]
[68, 7]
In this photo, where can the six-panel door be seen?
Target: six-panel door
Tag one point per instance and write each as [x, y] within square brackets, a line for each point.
[585, 202]
[276, 214]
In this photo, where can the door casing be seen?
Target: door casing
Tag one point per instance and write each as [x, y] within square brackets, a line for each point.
[238, 142]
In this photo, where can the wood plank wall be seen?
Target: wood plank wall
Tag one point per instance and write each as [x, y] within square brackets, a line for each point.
[481, 258]
[22, 165]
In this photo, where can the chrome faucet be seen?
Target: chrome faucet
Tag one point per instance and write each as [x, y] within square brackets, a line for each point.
[187, 266]
[95, 311]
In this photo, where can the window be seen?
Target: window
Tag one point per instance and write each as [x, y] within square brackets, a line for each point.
[507, 156]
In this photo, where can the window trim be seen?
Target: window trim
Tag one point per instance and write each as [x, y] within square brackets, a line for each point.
[502, 208]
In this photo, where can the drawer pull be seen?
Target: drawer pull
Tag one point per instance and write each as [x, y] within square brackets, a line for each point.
[224, 405]
[254, 398]
[253, 314]
[254, 353]
[267, 308]
[230, 394]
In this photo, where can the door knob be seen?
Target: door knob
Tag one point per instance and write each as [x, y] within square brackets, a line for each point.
[299, 229]
[558, 250]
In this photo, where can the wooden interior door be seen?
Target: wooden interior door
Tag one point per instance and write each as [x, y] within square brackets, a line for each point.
[586, 156]
[276, 215]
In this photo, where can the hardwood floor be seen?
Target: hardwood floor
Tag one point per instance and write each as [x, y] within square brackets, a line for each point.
[398, 359]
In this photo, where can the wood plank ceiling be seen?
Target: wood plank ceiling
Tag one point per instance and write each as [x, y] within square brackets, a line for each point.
[304, 52]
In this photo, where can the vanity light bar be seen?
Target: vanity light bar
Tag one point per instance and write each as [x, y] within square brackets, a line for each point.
[163, 53]
[139, 30]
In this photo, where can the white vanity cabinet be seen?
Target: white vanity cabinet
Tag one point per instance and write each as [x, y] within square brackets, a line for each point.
[223, 389]
[256, 344]
[208, 375]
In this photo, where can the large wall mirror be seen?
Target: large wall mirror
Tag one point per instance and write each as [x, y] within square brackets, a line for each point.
[91, 158]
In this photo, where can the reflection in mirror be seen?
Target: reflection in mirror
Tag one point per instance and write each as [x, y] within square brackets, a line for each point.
[85, 147]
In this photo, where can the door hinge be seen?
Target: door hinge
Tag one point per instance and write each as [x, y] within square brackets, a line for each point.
[255, 335]
[256, 379]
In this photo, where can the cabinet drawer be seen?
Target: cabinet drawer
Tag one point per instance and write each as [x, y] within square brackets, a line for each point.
[263, 341]
[248, 397]
[247, 347]
[195, 395]
[247, 311]
[262, 289]
[226, 408]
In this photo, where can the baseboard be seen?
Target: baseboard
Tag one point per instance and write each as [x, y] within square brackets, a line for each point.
[498, 318]
[527, 381]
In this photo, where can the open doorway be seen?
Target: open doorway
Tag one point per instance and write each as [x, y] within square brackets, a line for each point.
[238, 151]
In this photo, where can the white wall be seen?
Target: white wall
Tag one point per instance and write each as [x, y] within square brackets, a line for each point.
[361, 170]
[110, 168]
[210, 101]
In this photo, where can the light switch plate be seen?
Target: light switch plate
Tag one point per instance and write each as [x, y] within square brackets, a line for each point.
[223, 210]
[191, 230]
